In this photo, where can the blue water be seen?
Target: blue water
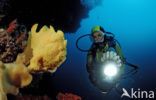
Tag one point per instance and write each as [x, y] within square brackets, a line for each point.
[134, 24]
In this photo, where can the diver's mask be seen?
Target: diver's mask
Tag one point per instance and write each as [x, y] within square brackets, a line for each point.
[97, 36]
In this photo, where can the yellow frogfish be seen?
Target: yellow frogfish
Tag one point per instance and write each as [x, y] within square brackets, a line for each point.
[45, 51]
[12, 77]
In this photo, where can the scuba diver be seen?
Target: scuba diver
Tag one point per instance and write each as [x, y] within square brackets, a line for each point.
[105, 60]
[101, 44]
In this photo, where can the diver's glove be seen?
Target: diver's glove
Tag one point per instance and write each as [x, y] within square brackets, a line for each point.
[111, 56]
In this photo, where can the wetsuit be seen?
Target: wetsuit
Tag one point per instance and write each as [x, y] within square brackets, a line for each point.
[97, 49]
[94, 58]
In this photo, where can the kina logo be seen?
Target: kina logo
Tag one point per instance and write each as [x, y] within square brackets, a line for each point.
[135, 94]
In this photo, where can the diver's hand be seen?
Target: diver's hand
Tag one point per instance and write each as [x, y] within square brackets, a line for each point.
[110, 56]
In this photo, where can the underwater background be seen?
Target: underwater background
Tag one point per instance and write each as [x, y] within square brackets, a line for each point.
[134, 24]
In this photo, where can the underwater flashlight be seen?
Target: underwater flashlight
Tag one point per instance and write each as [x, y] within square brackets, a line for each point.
[110, 70]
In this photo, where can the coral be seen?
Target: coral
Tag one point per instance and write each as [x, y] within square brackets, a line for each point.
[11, 42]
[12, 26]
[45, 51]
[68, 96]
[13, 77]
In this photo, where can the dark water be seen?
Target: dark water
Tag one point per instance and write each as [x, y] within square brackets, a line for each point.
[134, 24]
